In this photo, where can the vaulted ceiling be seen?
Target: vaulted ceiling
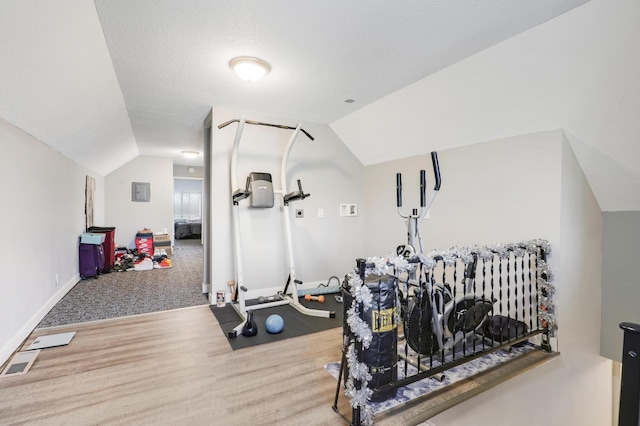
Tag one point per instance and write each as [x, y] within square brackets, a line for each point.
[105, 81]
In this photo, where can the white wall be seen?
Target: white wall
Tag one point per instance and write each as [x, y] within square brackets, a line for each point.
[577, 72]
[128, 216]
[42, 215]
[486, 194]
[187, 185]
[323, 246]
[183, 171]
[620, 281]
[507, 191]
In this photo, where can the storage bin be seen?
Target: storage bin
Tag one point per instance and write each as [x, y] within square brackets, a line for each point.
[92, 238]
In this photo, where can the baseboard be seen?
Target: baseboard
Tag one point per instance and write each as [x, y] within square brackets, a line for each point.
[25, 331]
[270, 291]
[318, 284]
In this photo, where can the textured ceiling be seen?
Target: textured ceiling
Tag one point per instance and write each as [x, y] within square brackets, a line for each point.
[57, 82]
[103, 83]
[171, 57]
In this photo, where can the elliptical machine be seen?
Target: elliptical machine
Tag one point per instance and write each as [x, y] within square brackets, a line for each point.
[415, 218]
[435, 320]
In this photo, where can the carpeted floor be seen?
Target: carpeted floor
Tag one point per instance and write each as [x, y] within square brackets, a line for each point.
[119, 294]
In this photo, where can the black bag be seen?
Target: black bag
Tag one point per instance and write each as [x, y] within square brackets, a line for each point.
[382, 354]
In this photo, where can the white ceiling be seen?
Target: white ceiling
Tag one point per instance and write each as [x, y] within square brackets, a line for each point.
[105, 82]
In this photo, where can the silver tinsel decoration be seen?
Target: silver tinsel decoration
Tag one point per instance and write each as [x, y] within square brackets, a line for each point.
[465, 254]
[450, 256]
[400, 264]
[428, 261]
[359, 328]
[397, 264]
[357, 370]
[363, 294]
[501, 250]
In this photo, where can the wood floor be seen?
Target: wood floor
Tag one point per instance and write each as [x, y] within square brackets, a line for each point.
[173, 367]
[176, 368]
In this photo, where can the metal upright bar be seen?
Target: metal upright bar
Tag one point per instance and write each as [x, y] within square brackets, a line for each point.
[630, 387]
[236, 228]
[285, 211]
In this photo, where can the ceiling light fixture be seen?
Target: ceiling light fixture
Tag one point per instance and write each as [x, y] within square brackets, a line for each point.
[249, 69]
[190, 154]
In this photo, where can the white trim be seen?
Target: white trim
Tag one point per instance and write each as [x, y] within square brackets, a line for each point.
[114, 319]
[26, 330]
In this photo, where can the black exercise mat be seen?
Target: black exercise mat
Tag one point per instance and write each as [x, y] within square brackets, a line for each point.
[295, 323]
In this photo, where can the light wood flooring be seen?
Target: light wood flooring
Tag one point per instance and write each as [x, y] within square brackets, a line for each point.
[176, 368]
[173, 367]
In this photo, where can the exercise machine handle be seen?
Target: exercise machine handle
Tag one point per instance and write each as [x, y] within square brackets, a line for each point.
[436, 170]
[399, 189]
[423, 188]
[239, 194]
[260, 123]
[297, 195]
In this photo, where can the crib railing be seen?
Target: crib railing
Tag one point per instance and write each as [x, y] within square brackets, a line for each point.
[454, 306]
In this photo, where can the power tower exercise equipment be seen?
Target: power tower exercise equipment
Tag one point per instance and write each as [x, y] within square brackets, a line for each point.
[259, 188]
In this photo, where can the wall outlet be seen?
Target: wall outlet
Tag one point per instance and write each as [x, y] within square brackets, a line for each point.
[320, 212]
[300, 213]
[57, 280]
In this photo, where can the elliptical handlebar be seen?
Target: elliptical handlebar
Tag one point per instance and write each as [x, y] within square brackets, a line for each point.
[423, 188]
[436, 170]
[415, 218]
[399, 189]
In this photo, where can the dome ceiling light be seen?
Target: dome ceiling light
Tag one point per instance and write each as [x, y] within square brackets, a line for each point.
[249, 69]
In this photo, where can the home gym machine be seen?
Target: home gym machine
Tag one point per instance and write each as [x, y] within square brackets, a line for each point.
[435, 319]
[441, 321]
[260, 192]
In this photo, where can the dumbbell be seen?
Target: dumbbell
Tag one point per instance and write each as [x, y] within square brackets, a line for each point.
[319, 299]
[263, 299]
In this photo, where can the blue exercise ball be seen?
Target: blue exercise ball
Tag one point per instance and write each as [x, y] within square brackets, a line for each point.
[274, 324]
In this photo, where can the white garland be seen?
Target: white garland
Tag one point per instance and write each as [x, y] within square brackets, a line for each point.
[359, 371]
[546, 290]
[394, 264]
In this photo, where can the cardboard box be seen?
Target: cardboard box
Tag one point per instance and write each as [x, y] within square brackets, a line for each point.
[161, 238]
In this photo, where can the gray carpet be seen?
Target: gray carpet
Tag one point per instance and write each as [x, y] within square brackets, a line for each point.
[120, 294]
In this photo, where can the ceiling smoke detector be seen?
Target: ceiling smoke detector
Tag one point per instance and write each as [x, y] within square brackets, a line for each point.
[249, 69]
